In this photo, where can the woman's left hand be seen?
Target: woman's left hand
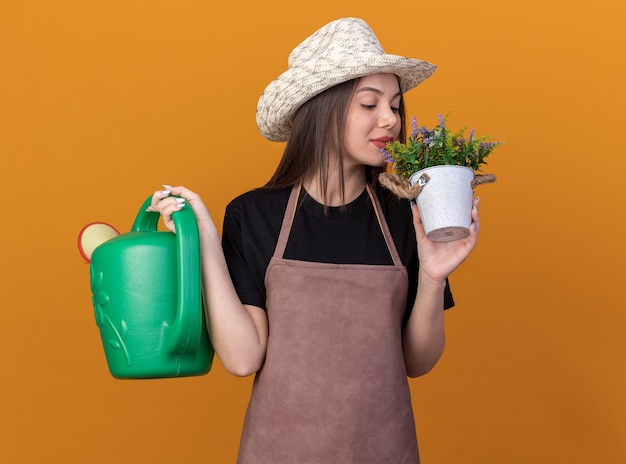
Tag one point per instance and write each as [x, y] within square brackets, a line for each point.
[439, 259]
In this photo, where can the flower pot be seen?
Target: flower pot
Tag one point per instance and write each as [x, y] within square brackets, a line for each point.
[445, 202]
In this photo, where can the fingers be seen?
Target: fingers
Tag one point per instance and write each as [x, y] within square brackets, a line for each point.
[182, 192]
[166, 202]
[475, 225]
[417, 221]
[178, 194]
[170, 205]
[157, 197]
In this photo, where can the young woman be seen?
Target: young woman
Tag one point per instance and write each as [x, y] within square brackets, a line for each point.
[323, 286]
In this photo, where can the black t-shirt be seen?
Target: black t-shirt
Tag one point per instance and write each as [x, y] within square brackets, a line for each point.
[340, 235]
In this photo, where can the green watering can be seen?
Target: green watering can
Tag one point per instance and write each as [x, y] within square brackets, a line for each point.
[147, 297]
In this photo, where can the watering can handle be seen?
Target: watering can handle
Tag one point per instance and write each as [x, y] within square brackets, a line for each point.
[185, 331]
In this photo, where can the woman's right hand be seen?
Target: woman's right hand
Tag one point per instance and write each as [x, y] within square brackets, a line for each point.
[172, 199]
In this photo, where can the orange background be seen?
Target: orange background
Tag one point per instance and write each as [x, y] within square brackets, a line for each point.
[101, 102]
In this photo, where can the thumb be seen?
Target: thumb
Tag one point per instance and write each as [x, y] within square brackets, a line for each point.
[417, 221]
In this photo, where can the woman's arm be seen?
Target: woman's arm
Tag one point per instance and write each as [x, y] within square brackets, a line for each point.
[238, 332]
[424, 334]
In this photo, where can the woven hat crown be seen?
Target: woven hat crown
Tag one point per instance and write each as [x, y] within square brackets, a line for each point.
[336, 41]
[342, 50]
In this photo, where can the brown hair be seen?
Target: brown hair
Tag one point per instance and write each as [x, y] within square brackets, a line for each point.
[317, 127]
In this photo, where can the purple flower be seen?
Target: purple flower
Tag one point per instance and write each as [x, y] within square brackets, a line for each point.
[414, 127]
[471, 134]
[387, 155]
[442, 121]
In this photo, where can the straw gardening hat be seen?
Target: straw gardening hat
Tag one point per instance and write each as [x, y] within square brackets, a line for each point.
[342, 50]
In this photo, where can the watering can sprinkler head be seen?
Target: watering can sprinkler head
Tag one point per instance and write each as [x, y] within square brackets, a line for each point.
[93, 235]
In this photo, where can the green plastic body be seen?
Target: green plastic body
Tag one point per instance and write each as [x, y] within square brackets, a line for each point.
[147, 298]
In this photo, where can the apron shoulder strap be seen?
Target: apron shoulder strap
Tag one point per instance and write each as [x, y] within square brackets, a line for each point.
[290, 212]
[382, 222]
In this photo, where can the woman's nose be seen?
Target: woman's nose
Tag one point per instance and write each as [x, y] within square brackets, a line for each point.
[388, 118]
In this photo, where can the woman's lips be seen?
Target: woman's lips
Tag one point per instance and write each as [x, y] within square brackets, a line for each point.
[381, 142]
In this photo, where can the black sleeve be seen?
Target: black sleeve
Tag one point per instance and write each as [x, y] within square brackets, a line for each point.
[245, 275]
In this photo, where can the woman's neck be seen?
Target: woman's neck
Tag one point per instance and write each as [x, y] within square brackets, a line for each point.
[354, 184]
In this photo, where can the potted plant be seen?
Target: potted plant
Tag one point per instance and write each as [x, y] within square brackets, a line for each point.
[438, 169]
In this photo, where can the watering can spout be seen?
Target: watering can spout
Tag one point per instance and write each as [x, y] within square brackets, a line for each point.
[92, 236]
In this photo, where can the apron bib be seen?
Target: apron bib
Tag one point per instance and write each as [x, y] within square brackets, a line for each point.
[333, 388]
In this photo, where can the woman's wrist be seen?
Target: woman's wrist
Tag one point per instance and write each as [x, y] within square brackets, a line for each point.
[425, 281]
[207, 229]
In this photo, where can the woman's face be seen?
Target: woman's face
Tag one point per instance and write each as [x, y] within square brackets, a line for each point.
[373, 119]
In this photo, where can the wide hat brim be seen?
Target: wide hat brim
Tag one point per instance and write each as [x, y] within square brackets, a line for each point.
[286, 94]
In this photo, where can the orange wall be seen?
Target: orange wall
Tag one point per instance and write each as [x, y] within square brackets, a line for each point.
[101, 102]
